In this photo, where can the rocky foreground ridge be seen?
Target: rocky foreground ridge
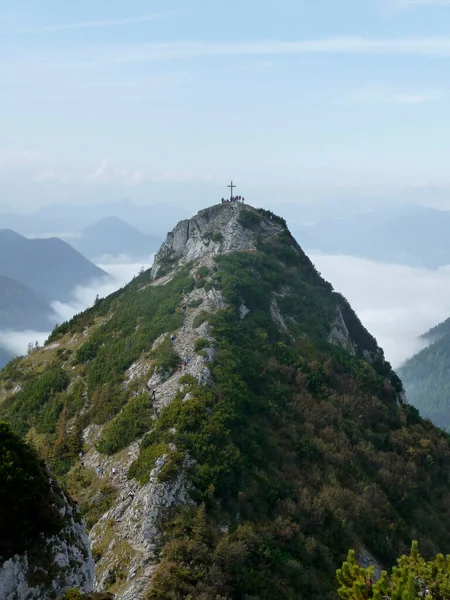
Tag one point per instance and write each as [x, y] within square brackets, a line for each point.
[235, 418]
[44, 548]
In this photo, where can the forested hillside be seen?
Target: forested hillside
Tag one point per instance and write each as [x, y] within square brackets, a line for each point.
[255, 430]
[426, 378]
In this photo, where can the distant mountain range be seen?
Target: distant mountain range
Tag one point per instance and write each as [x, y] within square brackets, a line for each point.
[50, 267]
[21, 308]
[33, 273]
[417, 236]
[405, 233]
[61, 220]
[426, 376]
[113, 236]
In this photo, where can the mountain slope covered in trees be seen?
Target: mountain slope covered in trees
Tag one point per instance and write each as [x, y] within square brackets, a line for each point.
[277, 436]
[426, 377]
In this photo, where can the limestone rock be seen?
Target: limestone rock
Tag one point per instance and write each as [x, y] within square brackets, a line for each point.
[64, 561]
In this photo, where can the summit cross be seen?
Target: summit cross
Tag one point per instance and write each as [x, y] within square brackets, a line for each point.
[231, 186]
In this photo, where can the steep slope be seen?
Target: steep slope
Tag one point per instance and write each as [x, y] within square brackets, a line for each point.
[50, 267]
[44, 549]
[112, 236]
[426, 377]
[21, 308]
[276, 438]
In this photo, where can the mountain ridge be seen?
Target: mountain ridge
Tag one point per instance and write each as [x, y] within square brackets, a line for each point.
[276, 438]
[113, 236]
[50, 267]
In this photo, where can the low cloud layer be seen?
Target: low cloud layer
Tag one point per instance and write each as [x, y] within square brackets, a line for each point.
[121, 271]
[395, 303]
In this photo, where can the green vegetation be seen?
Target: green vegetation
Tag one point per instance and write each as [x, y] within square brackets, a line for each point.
[38, 394]
[75, 594]
[200, 318]
[308, 444]
[213, 236]
[148, 455]
[128, 323]
[195, 303]
[134, 420]
[294, 453]
[27, 502]
[414, 578]
[427, 383]
[166, 359]
[249, 219]
[94, 496]
[200, 344]
[273, 217]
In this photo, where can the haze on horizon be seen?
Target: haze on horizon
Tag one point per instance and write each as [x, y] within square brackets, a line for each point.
[155, 101]
[161, 104]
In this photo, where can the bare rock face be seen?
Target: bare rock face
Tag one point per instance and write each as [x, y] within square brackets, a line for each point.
[64, 561]
[215, 230]
[339, 335]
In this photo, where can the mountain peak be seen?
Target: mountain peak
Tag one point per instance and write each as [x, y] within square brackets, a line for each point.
[219, 229]
[235, 418]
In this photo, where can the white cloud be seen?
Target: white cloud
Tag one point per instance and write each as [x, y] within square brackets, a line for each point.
[426, 2]
[430, 46]
[122, 271]
[102, 23]
[16, 342]
[20, 158]
[48, 175]
[106, 174]
[395, 303]
[379, 95]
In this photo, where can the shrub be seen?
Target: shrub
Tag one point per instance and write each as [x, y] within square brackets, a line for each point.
[213, 236]
[200, 318]
[412, 578]
[200, 344]
[134, 420]
[249, 219]
[195, 303]
[166, 359]
[141, 467]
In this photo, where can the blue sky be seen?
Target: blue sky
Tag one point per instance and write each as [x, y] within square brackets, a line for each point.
[105, 99]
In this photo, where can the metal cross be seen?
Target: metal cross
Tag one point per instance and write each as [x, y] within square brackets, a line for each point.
[231, 186]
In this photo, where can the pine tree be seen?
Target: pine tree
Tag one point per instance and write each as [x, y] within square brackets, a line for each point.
[413, 579]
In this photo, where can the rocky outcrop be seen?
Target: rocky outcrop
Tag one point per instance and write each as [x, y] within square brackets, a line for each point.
[340, 335]
[57, 563]
[126, 537]
[215, 230]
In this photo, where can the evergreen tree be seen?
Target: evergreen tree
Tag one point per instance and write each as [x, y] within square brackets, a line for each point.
[413, 579]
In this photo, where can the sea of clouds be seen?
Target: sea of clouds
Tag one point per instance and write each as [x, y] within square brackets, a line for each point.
[395, 303]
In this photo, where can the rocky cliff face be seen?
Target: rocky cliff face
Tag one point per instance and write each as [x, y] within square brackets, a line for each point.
[43, 542]
[264, 382]
[213, 231]
[64, 562]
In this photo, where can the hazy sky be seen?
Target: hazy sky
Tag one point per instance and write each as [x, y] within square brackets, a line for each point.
[103, 98]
